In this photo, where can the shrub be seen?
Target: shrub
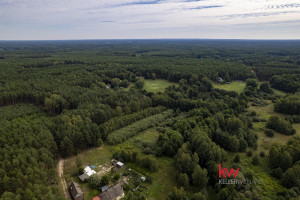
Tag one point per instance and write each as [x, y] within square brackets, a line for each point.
[255, 160]
[236, 159]
[280, 125]
[262, 154]
[116, 176]
[269, 132]
[249, 153]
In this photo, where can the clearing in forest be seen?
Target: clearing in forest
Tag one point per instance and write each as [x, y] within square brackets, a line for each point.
[236, 86]
[157, 85]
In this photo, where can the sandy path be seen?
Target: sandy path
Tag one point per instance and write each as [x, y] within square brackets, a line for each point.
[60, 171]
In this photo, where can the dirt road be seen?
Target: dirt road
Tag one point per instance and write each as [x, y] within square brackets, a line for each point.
[60, 171]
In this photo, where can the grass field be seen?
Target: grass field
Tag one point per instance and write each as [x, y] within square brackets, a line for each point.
[237, 86]
[264, 142]
[157, 85]
[163, 179]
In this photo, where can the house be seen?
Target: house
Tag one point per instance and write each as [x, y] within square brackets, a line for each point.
[120, 164]
[143, 178]
[76, 192]
[113, 193]
[96, 198]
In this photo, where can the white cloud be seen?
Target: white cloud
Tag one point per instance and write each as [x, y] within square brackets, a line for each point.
[69, 19]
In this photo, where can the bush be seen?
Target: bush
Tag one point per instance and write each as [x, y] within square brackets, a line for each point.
[269, 132]
[236, 159]
[116, 176]
[280, 125]
[262, 154]
[277, 173]
[249, 153]
[95, 181]
[255, 160]
[147, 151]
[80, 170]
[104, 180]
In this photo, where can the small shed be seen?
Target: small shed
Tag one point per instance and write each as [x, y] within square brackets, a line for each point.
[104, 188]
[76, 192]
[83, 176]
[120, 164]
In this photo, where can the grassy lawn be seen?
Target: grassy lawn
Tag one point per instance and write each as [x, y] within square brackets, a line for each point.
[265, 111]
[237, 86]
[157, 85]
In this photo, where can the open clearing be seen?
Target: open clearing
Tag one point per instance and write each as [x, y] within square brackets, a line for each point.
[158, 85]
[236, 86]
[163, 179]
[264, 142]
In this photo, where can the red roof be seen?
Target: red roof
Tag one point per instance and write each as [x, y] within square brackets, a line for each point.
[96, 198]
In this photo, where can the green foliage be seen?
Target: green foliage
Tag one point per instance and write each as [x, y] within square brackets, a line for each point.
[286, 82]
[27, 152]
[291, 178]
[116, 177]
[280, 125]
[269, 132]
[236, 159]
[122, 121]
[198, 196]
[169, 142]
[251, 83]
[183, 180]
[255, 160]
[199, 177]
[95, 181]
[265, 87]
[104, 180]
[178, 194]
[288, 105]
[127, 132]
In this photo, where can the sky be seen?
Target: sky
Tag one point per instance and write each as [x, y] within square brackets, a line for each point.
[149, 19]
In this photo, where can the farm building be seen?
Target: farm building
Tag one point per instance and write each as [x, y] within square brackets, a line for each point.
[83, 176]
[112, 193]
[87, 173]
[76, 192]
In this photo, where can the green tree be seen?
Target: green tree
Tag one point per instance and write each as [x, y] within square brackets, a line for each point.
[200, 177]
[183, 180]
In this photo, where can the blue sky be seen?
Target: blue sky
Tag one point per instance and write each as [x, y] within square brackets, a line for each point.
[142, 19]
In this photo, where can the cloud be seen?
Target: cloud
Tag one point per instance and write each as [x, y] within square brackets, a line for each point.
[144, 18]
[206, 7]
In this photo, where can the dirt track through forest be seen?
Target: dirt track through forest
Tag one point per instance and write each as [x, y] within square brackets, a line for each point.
[60, 171]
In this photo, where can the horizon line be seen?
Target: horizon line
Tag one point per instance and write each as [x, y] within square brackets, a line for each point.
[262, 39]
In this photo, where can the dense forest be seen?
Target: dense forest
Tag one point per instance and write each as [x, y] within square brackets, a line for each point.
[58, 98]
